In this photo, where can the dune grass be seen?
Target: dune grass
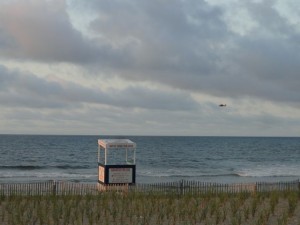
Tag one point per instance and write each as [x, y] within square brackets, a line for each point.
[153, 209]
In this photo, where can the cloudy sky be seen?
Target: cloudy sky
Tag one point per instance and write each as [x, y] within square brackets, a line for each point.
[141, 67]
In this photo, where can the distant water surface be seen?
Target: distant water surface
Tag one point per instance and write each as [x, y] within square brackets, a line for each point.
[32, 158]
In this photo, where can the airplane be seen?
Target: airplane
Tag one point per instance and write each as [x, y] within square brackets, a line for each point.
[222, 105]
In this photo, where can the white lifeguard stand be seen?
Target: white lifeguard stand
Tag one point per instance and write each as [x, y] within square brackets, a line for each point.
[116, 161]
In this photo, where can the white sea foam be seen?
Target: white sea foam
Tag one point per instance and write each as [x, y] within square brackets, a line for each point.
[46, 175]
[271, 171]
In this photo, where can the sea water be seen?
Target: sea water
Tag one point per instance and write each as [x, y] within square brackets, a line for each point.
[35, 158]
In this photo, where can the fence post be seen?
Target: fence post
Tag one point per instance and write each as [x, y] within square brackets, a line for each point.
[181, 187]
[54, 188]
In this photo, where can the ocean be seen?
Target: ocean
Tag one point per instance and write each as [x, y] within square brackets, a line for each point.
[36, 158]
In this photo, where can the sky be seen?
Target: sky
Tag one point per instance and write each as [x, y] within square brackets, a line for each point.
[159, 67]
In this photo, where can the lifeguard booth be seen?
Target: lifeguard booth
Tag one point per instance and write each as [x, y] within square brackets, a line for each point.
[116, 161]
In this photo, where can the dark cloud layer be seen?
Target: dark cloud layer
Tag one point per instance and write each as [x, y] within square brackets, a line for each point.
[19, 89]
[186, 44]
[191, 47]
[163, 38]
[41, 30]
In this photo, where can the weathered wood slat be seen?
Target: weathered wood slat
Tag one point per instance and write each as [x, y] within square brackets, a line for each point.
[181, 187]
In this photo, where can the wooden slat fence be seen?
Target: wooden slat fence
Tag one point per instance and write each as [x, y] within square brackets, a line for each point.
[195, 187]
[180, 187]
[278, 186]
[48, 188]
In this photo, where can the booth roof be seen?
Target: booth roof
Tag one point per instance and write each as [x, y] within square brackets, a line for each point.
[116, 143]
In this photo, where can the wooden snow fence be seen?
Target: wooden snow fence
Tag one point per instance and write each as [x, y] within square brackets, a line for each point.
[194, 187]
[278, 186]
[180, 187]
[48, 188]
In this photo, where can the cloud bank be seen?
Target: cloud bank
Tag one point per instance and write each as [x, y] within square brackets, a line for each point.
[182, 57]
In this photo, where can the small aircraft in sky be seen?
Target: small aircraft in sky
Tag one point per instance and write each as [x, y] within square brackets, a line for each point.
[222, 105]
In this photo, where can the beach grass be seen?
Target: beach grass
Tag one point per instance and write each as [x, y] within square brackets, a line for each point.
[153, 208]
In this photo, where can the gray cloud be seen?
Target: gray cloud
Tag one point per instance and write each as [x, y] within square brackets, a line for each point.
[27, 90]
[185, 45]
[189, 45]
[162, 38]
[95, 119]
[41, 30]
